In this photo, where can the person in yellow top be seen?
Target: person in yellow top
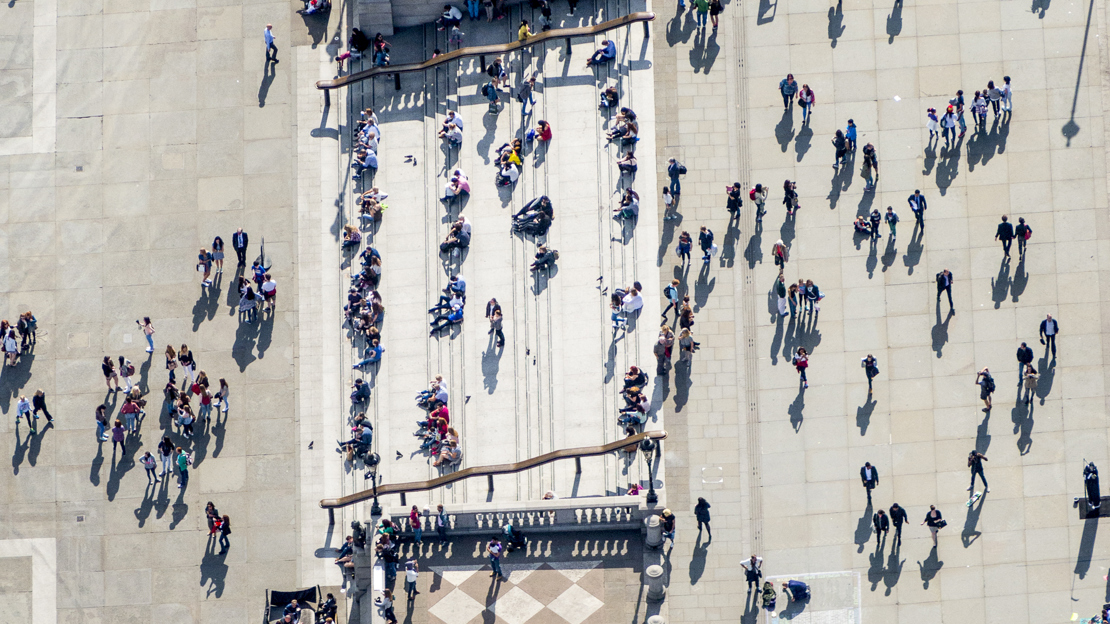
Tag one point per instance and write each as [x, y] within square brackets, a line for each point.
[524, 31]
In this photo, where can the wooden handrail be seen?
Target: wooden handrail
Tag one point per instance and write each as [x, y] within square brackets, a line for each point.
[485, 471]
[502, 48]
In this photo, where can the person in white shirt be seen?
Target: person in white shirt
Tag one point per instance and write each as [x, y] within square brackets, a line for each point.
[632, 302]
[509, 174]
[453, 118]
[465, 223]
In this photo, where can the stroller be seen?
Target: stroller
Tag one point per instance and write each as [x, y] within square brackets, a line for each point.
[513, 539]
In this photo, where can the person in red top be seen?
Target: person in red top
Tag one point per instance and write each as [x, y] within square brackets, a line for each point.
[543, 131]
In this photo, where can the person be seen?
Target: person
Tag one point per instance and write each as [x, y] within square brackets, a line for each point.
[871, 369]
[268, 38]
[715, 9]
[1022, 232]
[225, 530]
[932, 124]
[627, 164]
[796, 591]
[117, 437]
[753, 571]
[870, 477]
[840, 145]
[935, 521]
[604, 54]
[38, 404]
[417, 523]
[1005, 233]
[126, 370]
[674, 170]
[165, 453]
[768, 596]
[1024, 357]
[917, 206]
[381, 53]
[129, 411]
[944, 285]
[212, 515]
[995, 95]
[850, 135]
[452, 16]
[670, 291]
[441, 321]
[876, 220]
[948, 125]
[788, 87]
[23, 410]
[327, 609]
[1048, 332]
[870, 169]
[758, 194]
[801, 363]
[701, 512]
[668, 521]
[221, 396]
[975, 461]
[524, 31]
[898, 517]
[524, 95]
[441, 522]
[239, 243]
[148, 331]
[494, 550]
[702, 11]
[781, 255]
[986, 387]
[685, 243]
[385, 602]
[882, 525]
[1030, 377]
[453, 134]
[790, 197]
[544, 258]
[372, 355]
[412, 574]
[705, 241]
[807, 100]
[183, 462]
[150, 464]
[892, 221]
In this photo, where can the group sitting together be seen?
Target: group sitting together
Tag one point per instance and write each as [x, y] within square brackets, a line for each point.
[452, 128]
[365, 145]
[636, 402]
[371, 206]
[535, 217]
[625, 129]
[440, 439]
[362, 436]
[449, 310]
[458, 237]
[459, 184]
[625, 304]
[509, 162]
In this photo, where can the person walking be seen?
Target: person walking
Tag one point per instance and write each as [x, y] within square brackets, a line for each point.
[150, 464]
[935, 522]
[685, 243]
[524, 96]
[1030, 379]
[225, 530]
[1005, 233]
[892, 221]
[182, 468]
[780, 294]
[1049, 329]
[494, 550]
[986, 387]
[870, 169]
[268, 37]
[165, 453]
[1024, 358]
[702, 7]
[385, 602]
[948, 125]
[670, 291]
[917, 206]
[840, 146]
[239, 243]
[212, 515]
[23, 410]
[788, 88]
[870, 478]
[781, 255]
[801, 363]
[39, 404]
[944, 285]
[1022, 232]
[876, 220]
[882, 525]
[975, 461]
[753, 571]
[734, 200]
[148, 331]
[758, 194]
[417, 523]
[412, 574]
[807, 100]
[871, 369]
[705, 241]
[701, 512]
[898, 517]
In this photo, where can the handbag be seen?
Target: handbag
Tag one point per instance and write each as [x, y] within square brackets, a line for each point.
[195, 388]
[942, 523]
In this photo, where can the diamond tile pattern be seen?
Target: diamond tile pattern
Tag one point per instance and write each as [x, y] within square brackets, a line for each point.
[575, 605]
[519, 600]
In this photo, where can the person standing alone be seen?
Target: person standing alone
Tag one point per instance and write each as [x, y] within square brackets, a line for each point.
[975, 461]
[870, 478]
[1049, 329]
[701, 512]
[944, 285]
[239, 243]
[268, 37]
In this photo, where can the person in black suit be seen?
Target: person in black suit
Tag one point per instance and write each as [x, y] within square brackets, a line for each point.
[1005, 233]
[918, 206]
[1024, 356]
[882, 525]
[898, 516]
[1049, 329]
[239, 242]
[870, 478]
[944, 284]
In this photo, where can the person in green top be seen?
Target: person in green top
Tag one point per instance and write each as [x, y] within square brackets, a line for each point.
[182, 468]
[703, 12]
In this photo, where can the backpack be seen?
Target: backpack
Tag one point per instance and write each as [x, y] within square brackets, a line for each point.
[492, 70]
[681, 169]
[485, 90]
[1028, 232]
[670, 292]
[990, 383]
[556, 253]
[751, 194]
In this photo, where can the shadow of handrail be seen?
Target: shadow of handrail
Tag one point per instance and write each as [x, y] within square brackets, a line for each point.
[497, 469]
[502, 48]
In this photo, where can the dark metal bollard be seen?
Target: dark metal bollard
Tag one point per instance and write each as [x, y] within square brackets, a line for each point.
[397, 81]
[489, 479]
[568, 46]
[482, 62]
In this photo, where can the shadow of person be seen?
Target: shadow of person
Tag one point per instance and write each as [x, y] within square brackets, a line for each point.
[206, 306]
[929, 567]
[890, 254]
[265, 332]
[491, 364]
[836, 22]
[1024, 429]
[267, 79]
[914, 249]
[1047, 370]
[786, 230]
[213, 571]
[894, 22]
[795, 410]
[1086, 547]
[97, 462]
[784, 131]
[753, 253]
[20, 452]
[949, 166]
[682, 384]
[802, 141]
[243, 349]
[180, 509]
[893, 568]
[677, 31]
[1020, 280]
[969, 534]
[776, 340]
[142, 512]
[982, 434]
[872, 258]
[766, 13]
[863, 414]
[930, 158]
[1000, 285]
[697, 560]
[940, 331]
[702, 287]
[877, 559]
[863, 528]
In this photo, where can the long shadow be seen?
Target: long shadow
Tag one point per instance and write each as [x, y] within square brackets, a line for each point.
[1047, 370]
[267, 79]
[206, 306]
[1024, 429]
[893, 568]
[1071, 128]
[697, 560]
[836, 22]
[753, 253]
[863, 528]
[243, 349]
[213, 571]
[36, 445]
[1086, 547]
[982, 434]
[784, 131]
[730, 242]
[969, 534]
[863, 414]
[841, 180]
[949, 166]
[162, 503]
[865, 203]
[21, 448]
[123, 466]
[802, 142]
[97, 462]
[265, 332]
[776, 341]
[787, 229]
[142, 512]
[929, 567]
[1000, 285]
[13, 379]
[795, 410]
[491, 363]
[766, 13]
[894, 28]
[702, 287]
[940, 331]
[489, 122]
[872, 258]
[679, 31]
[682, 385]
[890, 254]
[914, 249]
[875, 571]
[180, 509]
[1019, 281]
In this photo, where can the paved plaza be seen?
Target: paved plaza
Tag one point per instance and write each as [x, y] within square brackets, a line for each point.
[134, 132]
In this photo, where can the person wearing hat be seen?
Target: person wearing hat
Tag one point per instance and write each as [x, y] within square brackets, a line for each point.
[668, 525]
[948, 123]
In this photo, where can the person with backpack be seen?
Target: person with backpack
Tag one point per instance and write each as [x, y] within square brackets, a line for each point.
[489, 91]
[986, 387]
[758, 195]
[1022, 232]
[524, 96]
[183, 462]
[675, 169]
[670, 291]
